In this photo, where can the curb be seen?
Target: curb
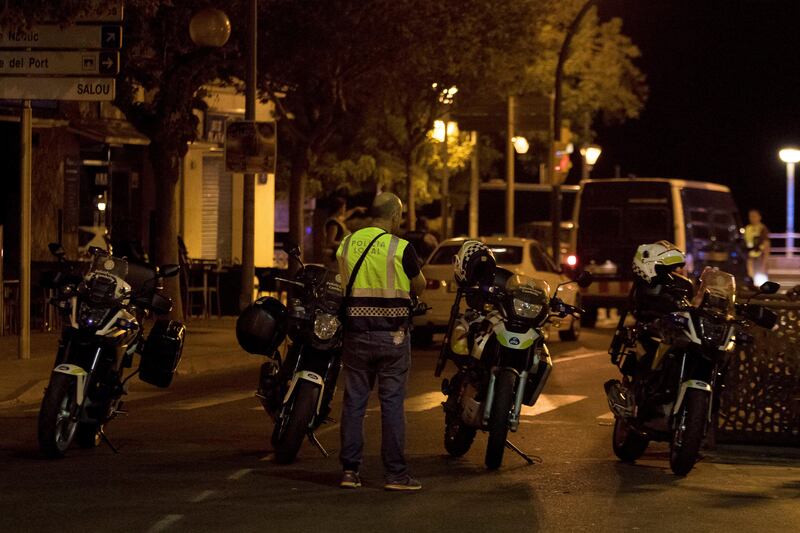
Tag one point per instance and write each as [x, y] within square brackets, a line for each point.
[33, 393]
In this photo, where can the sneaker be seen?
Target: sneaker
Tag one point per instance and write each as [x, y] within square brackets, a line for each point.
[350, 480]
[406, 484]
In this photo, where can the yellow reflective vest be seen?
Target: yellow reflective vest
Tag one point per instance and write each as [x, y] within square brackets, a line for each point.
[380, 298]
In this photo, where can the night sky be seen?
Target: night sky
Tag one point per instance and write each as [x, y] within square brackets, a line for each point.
[724, 81]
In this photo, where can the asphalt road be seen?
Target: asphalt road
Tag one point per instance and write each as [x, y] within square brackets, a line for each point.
[196, 458]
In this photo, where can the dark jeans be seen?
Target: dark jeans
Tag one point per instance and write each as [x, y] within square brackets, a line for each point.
[367, 356]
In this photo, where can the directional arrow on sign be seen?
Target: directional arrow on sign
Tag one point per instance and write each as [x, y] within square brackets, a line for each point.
[54, 62]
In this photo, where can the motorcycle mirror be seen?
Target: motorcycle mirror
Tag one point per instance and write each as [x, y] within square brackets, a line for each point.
[291, 248]
[769, 287]
[584, 279]
[168, 271]
[56, 249]
[94, 250]
[761, 316]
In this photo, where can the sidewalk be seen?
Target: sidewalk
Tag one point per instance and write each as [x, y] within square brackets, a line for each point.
[210, 346]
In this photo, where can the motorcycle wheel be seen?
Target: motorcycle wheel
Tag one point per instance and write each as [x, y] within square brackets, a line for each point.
[688, 435]
[56, 429]
[458, 437]
[287, 441]
[88, 434]
[498, 419]
[628, 445]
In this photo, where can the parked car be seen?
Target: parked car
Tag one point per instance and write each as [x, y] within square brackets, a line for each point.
[539, 230]
[521, 256]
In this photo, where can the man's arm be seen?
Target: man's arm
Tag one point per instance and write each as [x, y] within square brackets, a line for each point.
[411, 265]
[418, 283]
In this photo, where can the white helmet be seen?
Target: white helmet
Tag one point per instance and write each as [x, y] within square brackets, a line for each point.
[658, 258]
[474, 263]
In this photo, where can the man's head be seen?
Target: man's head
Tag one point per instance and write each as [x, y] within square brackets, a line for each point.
[387, 212]
[755, 216]
[338, 206]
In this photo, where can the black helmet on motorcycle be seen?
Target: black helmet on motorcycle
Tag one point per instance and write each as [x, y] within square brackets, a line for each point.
[474, 264]
[262, 326]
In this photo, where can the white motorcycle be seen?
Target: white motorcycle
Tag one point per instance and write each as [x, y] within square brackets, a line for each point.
[503, 363]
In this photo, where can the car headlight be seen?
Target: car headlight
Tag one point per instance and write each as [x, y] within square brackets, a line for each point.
[524, 309]
[325, 326]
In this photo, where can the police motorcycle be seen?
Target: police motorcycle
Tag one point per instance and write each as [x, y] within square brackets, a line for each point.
[498, 347]
[296, 390]
[103, 312]
[674, 367]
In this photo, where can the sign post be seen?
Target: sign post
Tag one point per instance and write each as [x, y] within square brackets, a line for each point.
[54, 62]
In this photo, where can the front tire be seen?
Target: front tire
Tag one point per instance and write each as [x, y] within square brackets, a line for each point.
[572, 333]
[287, 443]
[628, 445]
[498, 419]
[58, 416]
[688, 433]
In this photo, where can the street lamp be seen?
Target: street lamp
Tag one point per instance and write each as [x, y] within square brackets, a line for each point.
[442, 131]
[591, 153]
[210, 28]
[521, 145]
[790, 156]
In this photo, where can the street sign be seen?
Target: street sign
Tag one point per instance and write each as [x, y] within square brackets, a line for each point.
[44, 63]
[102, 11]
[86, 89]
[251, 147]
[107, 37]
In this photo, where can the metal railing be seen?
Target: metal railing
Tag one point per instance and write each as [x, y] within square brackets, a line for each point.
[790, 246]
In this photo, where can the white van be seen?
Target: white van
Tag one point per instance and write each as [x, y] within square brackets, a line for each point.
[614, 216]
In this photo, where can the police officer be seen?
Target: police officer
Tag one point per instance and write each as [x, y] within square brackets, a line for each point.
[377, 341]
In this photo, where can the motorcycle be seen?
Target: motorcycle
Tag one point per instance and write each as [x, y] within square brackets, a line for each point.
[296, 390]
[673, 367]
[498, 346]
[103, 312]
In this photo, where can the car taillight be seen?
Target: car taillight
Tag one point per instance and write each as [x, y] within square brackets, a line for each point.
[434, 284]
[572, 260]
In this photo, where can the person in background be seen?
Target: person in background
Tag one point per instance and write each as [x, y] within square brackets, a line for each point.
[336, 229]
[756, 238]
[377, 343]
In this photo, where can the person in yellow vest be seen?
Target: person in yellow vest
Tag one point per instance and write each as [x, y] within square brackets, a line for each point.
[377, 343]
[756, 238]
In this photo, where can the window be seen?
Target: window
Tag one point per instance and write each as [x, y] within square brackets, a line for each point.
[444, 255]
[599, 224]
[217, 211]
[647, 224]
[541, 261]
[506, 255]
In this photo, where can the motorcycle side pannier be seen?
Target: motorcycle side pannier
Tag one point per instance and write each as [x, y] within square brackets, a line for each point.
[162, 352]
[261, 328]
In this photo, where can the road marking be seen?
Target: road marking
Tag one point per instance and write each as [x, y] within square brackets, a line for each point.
[576, 357]
[203, 496]
[239, 474]
[164, 523]
[143, 395]
[420, 402]
[210, 401]
[607, 416]
[550, 402]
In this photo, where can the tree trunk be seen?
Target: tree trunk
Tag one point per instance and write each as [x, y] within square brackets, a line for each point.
[297, 194]
[165, 173]
[412, 192]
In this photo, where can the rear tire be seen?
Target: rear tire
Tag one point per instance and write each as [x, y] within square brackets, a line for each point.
[685, 445]
[57, 423]
[572, 333]
[498, 419]
[305, 405]
[628, 445]
[458, 437]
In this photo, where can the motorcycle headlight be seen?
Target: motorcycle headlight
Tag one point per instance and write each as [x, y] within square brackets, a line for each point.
[91, 317]
[713, 333]
[325, 326]
[525, 309]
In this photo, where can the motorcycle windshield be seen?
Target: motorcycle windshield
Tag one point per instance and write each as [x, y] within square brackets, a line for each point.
[717, 291]
[106, 263]
[535, 290]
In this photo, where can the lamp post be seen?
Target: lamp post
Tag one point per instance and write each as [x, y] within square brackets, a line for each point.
[790, 156]
[589, 154]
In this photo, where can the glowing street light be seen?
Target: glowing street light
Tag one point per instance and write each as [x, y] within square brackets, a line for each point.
[521, 145]
[590, 154]
[790, 156]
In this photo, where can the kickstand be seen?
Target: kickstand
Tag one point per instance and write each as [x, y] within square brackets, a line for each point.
[315, 441]
[105, 439]
[510, 445]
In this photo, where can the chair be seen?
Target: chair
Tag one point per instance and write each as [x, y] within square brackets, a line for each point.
[193, 281]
